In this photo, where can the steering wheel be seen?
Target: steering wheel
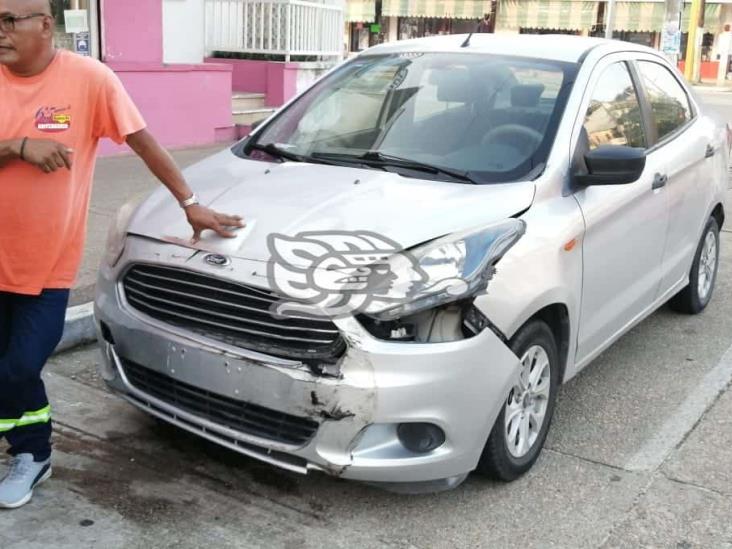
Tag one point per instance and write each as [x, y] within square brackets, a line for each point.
[521, 138]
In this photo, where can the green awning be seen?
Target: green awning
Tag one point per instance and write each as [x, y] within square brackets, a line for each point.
[450, 9]
[639, 16]
[361, 11]
[712, 21]
[650, 16]
[546, 14]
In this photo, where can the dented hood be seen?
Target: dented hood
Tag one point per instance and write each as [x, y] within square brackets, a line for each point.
[289, 198]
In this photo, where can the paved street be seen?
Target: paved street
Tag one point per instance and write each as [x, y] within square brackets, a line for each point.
[638, 456]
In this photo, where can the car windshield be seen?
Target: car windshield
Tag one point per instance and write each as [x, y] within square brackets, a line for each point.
[476, 117]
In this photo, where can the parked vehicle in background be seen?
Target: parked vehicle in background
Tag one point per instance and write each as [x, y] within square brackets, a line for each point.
[440, 233]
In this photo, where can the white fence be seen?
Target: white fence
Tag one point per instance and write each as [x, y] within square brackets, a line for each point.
[276, 27]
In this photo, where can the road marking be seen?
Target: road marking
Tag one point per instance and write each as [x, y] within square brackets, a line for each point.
[652, 455]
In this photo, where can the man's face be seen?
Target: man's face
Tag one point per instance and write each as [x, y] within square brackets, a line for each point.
[20, 46]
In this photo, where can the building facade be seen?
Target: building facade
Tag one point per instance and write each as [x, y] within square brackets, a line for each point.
[156, 47]
[638, 21]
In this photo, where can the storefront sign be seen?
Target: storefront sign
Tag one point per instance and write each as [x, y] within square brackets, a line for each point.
[671, 39]
[81, 43]
[76, 21]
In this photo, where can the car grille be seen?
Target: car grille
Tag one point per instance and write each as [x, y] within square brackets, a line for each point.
[233, 313]
[234, 414]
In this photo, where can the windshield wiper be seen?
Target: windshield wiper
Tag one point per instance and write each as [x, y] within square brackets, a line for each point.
[380, 159]
[273, 150]
[383, 159]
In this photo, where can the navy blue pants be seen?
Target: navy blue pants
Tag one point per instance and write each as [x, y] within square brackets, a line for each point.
[30, 329]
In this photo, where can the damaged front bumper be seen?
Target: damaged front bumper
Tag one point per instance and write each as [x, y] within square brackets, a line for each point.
[345, 425]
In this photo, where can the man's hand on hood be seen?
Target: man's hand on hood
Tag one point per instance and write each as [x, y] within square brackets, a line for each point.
[163, 166]
[202, 218]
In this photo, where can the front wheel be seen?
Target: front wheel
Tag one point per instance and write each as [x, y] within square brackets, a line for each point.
[521, 428]
[694, 298]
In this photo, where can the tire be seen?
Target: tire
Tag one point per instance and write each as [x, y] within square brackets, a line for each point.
[693, 299]
[500, 459]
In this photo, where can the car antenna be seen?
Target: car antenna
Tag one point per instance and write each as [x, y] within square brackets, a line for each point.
[467, 41]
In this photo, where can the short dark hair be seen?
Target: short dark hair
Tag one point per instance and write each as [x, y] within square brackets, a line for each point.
[51, 8]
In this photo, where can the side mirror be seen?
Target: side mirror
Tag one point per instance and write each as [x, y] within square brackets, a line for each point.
[612, 165]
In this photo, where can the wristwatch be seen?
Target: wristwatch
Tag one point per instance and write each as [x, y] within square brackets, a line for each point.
[193, 200]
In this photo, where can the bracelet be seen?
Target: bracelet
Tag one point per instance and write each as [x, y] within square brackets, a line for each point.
[189, 201]
[22, 148]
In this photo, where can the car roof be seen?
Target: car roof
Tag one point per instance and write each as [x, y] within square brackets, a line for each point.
[555, 47]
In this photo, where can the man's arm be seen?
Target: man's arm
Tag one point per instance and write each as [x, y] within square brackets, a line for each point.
[44, 154]
[9, 150]
[163, 166]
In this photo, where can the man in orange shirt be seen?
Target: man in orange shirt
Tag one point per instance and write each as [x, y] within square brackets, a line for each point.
[54, 108]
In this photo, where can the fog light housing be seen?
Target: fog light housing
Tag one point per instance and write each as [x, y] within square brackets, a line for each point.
[106, 333]
[420, 438]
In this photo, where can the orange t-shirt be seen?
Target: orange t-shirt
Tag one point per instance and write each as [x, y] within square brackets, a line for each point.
[75, 101]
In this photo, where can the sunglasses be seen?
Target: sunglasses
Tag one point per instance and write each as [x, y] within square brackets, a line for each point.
[7, 22]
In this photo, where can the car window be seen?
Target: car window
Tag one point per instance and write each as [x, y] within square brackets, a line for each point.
[493, 116]
[669, 102]
[614, 116]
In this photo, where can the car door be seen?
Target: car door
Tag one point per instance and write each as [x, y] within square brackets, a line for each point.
[625, 225]
[683, 152]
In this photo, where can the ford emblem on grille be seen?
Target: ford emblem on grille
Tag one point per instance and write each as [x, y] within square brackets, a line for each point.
[217, 260]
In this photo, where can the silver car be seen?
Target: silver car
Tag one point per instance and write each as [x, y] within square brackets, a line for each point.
[439, 233]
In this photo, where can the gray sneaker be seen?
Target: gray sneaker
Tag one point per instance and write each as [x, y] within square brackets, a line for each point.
[24, 474]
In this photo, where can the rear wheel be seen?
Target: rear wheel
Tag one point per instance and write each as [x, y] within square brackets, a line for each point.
[696, 296]
[521, 428]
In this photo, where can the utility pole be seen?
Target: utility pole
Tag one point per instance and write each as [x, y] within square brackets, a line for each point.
[610, 19]
[693, 50]
[671, 35]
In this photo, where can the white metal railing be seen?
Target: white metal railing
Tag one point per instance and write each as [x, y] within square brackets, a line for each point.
[277, 27]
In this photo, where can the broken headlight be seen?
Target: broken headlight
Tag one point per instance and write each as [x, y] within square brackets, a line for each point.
[446, 270]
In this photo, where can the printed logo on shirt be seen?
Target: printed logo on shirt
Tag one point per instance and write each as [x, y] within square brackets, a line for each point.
[53, 119]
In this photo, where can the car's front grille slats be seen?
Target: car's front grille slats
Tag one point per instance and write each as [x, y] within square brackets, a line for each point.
[233, 313]
[240, 416]
[223, 316]
[253, 295]
[132, 283]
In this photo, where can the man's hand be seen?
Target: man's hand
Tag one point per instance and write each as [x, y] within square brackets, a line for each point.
[164, 168]
[47, 155]
[202, 218]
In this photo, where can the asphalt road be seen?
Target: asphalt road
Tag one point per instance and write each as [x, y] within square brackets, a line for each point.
[637, 457]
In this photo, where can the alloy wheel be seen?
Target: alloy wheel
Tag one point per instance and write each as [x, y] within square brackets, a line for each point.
[527, 402]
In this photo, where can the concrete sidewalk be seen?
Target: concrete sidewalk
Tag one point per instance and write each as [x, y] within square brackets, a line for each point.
[117, 180]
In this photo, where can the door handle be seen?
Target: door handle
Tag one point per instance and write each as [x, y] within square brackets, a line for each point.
[710, 152]
[659, 181]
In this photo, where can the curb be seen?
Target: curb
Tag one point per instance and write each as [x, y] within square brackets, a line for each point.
[712, 89]
[79, 327]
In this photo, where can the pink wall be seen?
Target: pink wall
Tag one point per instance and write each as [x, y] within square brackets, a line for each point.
[281, 83]
[132, 30]
[277, 80]
[183, 105]
[248, 76]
